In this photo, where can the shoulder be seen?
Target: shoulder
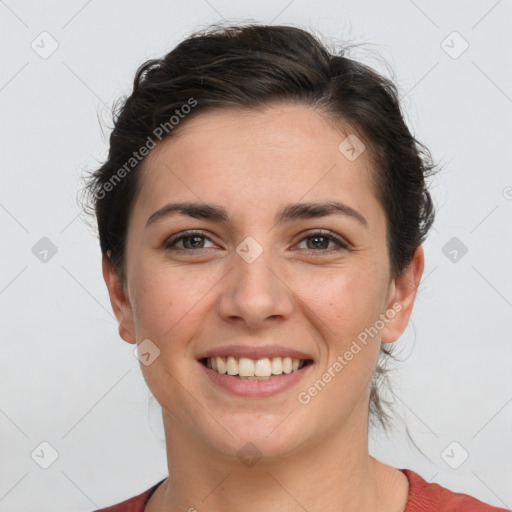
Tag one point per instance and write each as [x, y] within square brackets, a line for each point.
[430, 497]
[135, 504]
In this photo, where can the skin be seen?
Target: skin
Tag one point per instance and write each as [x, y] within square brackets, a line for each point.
[296, 293]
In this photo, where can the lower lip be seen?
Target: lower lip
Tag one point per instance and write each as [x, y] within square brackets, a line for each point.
[255, 388]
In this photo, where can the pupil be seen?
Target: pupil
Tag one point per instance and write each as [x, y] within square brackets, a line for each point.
[317, 238]
[196, 238]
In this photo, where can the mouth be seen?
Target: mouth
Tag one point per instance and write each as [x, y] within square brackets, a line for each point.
[244, 368]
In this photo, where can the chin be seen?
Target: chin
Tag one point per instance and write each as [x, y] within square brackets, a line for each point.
[265, 437]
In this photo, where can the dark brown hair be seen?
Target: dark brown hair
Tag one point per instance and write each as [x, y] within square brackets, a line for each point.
[254, 66]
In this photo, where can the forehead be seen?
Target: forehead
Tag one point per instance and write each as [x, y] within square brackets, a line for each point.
[282, 153]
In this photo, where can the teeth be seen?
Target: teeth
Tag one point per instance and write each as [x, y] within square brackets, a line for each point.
[254, 369]
[262, 368]
[221, 365]
[277, 366]
[246, 367]
[232, 366]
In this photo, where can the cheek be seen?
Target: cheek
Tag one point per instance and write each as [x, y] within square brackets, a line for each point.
[172, 305]
[163, 300]
[168, 310]
[345, 301]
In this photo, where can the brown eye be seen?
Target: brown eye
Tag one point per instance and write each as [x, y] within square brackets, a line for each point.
[191, 241]
[319, 242]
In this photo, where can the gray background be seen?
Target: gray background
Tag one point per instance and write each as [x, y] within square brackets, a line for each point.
[67, 379]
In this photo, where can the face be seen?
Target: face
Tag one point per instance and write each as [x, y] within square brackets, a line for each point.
[246, 275]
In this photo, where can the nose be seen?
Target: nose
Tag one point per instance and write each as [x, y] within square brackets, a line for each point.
[255, 293]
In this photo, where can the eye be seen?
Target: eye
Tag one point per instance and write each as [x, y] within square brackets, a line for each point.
[191, 241]
[321, 239]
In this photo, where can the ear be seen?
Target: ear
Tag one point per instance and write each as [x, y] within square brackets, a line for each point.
[401, 298]
[120, 304]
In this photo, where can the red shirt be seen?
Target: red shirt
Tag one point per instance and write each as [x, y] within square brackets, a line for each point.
[423, 497]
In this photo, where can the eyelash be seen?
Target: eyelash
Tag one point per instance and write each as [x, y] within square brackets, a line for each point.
[319, 234]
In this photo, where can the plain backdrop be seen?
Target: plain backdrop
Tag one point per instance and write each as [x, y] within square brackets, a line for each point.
[70, 382]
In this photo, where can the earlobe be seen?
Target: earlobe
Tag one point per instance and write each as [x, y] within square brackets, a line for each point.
[120, 304]
[403, 295]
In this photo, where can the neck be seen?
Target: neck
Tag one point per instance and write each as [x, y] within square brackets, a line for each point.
[337, 473]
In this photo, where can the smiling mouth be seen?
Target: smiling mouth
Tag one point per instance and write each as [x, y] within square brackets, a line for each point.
[245, 368]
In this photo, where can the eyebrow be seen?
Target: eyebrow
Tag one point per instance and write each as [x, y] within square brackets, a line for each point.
[289, 213]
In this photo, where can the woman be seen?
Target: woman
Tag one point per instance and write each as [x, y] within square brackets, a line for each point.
[261, 215]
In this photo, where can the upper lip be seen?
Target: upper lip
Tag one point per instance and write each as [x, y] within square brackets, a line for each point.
[254, 352]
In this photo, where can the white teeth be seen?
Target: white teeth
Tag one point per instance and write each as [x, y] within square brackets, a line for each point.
[245, 367]
[254, 369]
[262, 368]
[277, 366]
[232, 366]
[221, 365]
